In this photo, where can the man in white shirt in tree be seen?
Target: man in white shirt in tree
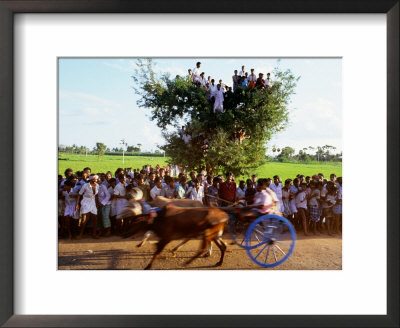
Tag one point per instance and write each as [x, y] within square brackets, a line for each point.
[219, 99]
[242, 72]
[203, 80]
[196, 73]
[268, 80]
[212, 88]
[222, 85]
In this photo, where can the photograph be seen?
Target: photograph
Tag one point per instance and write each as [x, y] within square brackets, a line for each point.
[209, 163]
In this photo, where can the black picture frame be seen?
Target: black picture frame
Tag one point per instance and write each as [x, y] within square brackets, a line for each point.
[7, 10]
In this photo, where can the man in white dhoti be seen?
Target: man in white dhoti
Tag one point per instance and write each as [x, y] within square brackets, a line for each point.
[88, 204]
[219, 99]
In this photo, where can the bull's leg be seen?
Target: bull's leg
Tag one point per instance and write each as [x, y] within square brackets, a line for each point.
[179, 247]
[221, 245]
[146, 237]
[209, 252]
[160, 246]
[204, 247]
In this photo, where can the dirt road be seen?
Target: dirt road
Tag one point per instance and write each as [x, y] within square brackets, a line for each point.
[114, 253]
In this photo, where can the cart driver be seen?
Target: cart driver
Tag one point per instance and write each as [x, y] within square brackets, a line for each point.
[265, 201]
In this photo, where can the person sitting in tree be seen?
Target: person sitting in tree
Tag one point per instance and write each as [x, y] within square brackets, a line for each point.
[260, 84]
[219, 100]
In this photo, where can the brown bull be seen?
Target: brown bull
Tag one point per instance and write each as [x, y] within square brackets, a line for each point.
[174, 223]
[162, 201]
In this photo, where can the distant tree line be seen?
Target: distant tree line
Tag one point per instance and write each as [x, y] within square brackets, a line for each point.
[101, 149]
[319, 153]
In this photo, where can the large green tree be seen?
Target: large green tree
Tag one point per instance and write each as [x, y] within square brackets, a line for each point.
[177, 102]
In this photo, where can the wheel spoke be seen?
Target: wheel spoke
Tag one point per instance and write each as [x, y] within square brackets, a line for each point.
[282, 242]
[280, 250]
[266, 258]
[261, 251]
[273, 251]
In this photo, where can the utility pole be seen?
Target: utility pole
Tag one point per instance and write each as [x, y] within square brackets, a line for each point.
[124, 143]
[86, 150]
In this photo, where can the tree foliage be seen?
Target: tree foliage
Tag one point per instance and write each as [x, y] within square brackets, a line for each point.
[177, 101]
[100, 148]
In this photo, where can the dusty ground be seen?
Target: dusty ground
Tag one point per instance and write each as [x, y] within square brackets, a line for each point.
[114, 253]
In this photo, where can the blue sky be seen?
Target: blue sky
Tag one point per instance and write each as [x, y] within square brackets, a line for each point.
[97, 102]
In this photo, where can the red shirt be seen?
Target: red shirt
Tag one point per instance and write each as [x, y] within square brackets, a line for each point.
[227, 191]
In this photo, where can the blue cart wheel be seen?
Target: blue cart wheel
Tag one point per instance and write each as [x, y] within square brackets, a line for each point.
[238, 229]
[270, 240]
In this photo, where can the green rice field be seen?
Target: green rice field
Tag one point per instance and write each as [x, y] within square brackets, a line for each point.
[111, 163]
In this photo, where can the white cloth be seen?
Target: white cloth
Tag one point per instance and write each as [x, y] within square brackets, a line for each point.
[155, 192]
[301, 200]
[265, 199]
[88, 202]
[330, 200]
[324, 193]
[120, 203]
[212, 89]
[314, 200]
[277, 189]
[196, 74]
[203, 81]
[242, 73]
[219, 101]
[70, 205]
[251, 78]
[194, 194]
[104, 195]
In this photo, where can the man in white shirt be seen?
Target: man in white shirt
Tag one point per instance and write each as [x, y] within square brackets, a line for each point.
[157, 189]
[222, 85]
[241, 190]
[212, 89]
[202, 79]
[301, 205]
[196, 73]
[276, 187]
[242, 72]
[219, 100]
